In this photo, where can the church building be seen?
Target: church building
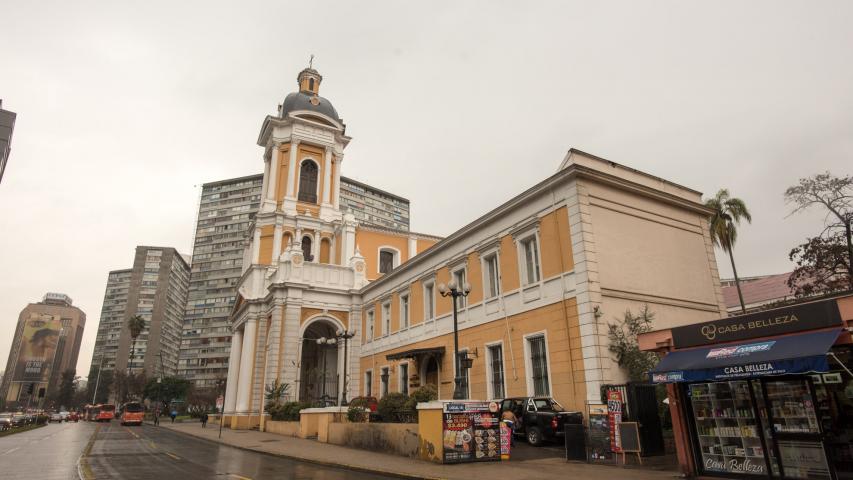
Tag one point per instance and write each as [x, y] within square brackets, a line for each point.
[336, 309]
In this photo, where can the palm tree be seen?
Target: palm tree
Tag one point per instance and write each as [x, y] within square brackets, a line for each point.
[728, 213]
[136, 325]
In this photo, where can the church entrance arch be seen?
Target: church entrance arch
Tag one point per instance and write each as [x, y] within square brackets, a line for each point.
[318, 366]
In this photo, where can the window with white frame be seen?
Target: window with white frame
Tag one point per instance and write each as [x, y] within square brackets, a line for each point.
[460, 278]
[386, 318]
[368, 383]
[404, 378]
[496, 370]
[529, 259]
[383, 382]
[538, 365]
[429, 300]
[491, 275]
[388, 259]
[464, 372]
[370, 324]
[404, 311]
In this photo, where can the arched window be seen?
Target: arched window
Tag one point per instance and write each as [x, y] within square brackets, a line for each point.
[308, 182]
[387, 260]
[306, 249]
[311, 84]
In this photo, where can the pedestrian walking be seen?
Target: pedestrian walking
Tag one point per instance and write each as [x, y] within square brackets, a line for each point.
[511, 420]
[157, 417]
[173, 415]
[204, 420]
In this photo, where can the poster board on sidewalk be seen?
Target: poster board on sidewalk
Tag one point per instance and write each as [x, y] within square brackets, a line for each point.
[471, 432]
[599, 434]
[629, 434]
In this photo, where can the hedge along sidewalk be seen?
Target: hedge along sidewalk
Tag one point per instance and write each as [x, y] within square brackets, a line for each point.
[25, 428]
[375, 462]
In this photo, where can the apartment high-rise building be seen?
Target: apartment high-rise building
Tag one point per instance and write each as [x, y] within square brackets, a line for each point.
[46, 343]
[372, 206]
[156, 290]
[7, 125]
[226, 209]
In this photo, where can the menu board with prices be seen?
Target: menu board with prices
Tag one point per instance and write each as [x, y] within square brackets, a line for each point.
[471, 432]
[599, 433]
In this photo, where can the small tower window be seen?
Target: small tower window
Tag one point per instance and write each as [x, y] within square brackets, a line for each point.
[308, 182]
[387, 260]
[311, 84]
[306, 249]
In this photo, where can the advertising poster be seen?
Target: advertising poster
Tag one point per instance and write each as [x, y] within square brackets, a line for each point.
[614, 416]
[38, 348]
[471, 432]
[506, 441]
[599, 433]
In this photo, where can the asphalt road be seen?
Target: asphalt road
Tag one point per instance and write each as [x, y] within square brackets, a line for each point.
[148, 452]
[47, 453]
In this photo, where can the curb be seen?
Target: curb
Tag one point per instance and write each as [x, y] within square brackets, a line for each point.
[323, 463]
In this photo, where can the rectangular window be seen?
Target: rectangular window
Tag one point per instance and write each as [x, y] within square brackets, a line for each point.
[368, 383]
[386, 318]
[404, 378]
[463, 372]
[383, 382]
[492, 274]
[404, 311]
[459, 277]
[496, 364]
[429, 301]
[370, 326]
[539, 365]
[530, 250]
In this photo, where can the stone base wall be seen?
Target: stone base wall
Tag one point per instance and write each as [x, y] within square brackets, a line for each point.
[288, 429]
[397, 438]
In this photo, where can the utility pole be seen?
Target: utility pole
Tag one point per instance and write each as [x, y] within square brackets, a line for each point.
[98, 379]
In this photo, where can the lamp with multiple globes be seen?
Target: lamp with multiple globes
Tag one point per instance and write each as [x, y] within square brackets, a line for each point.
[452, 289]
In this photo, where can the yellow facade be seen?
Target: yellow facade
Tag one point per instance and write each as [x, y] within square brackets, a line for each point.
[556, 243]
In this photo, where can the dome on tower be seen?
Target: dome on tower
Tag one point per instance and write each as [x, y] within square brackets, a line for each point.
[307, 99]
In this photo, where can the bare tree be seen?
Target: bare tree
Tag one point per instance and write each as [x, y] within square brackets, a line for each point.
[825, 260]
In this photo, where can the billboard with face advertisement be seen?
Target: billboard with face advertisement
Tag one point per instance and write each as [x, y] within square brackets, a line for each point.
[38, 348]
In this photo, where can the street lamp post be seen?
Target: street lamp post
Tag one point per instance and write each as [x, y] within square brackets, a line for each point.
[345, 335]
[453, 290]
[322, 342]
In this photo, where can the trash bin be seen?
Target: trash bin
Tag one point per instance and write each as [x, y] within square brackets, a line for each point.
[575, 442]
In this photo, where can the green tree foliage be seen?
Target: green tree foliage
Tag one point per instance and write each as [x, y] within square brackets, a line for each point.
[168, 390]
[104, 385]
[391, 406]
[825, 261]
[623, 343]
[275, 393]
[426, 393]
[728, 212]
[67, 387]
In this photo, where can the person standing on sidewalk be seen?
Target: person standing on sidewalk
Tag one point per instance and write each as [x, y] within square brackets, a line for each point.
[204, 420]
[157, 416]
[173, 415]
[510, 419]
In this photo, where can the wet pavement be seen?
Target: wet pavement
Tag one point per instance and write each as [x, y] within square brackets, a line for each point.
[46, 453]
[150, 452]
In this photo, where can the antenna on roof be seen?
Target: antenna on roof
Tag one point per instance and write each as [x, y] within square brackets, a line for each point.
[311, 61]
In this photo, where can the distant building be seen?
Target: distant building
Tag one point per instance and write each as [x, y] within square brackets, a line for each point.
[7, 125]
[226, 209]
[759, 292]
[156, 290]
[46, 343]
[372, 206]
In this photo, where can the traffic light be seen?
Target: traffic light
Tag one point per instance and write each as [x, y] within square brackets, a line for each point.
[30, 388]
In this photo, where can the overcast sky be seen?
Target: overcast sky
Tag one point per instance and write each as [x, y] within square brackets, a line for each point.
[124, 111]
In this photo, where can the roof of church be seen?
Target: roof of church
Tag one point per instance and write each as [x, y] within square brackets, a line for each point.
[302, 101]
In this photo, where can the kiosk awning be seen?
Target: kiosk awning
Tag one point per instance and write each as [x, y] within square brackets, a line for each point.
[801, 353]
[437, 351]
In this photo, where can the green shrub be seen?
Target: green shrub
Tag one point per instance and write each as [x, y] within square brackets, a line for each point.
[358, 411]
[391, 405]
[426, 393]
[287, 412]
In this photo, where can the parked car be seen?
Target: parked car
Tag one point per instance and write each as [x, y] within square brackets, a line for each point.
[540, 419]
[55, 417]
[73, 417]
[20, 420]
[5, 421]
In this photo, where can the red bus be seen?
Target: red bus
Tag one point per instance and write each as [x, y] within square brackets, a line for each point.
[106, 412]
[132, 412]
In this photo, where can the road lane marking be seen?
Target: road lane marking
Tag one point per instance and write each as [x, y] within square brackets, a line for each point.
[172, 455]
[240, 477]
[10, 451]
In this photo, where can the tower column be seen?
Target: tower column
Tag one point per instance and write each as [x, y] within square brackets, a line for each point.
[266, 185]
[291, 169]
[327, 177]
[276, 244]
[270, 201]
[336, 193]
[315, 247]
[244, 381]
[256, 246]
[233, 371]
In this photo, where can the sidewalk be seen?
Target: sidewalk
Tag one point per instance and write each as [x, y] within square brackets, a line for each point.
[363, 460]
